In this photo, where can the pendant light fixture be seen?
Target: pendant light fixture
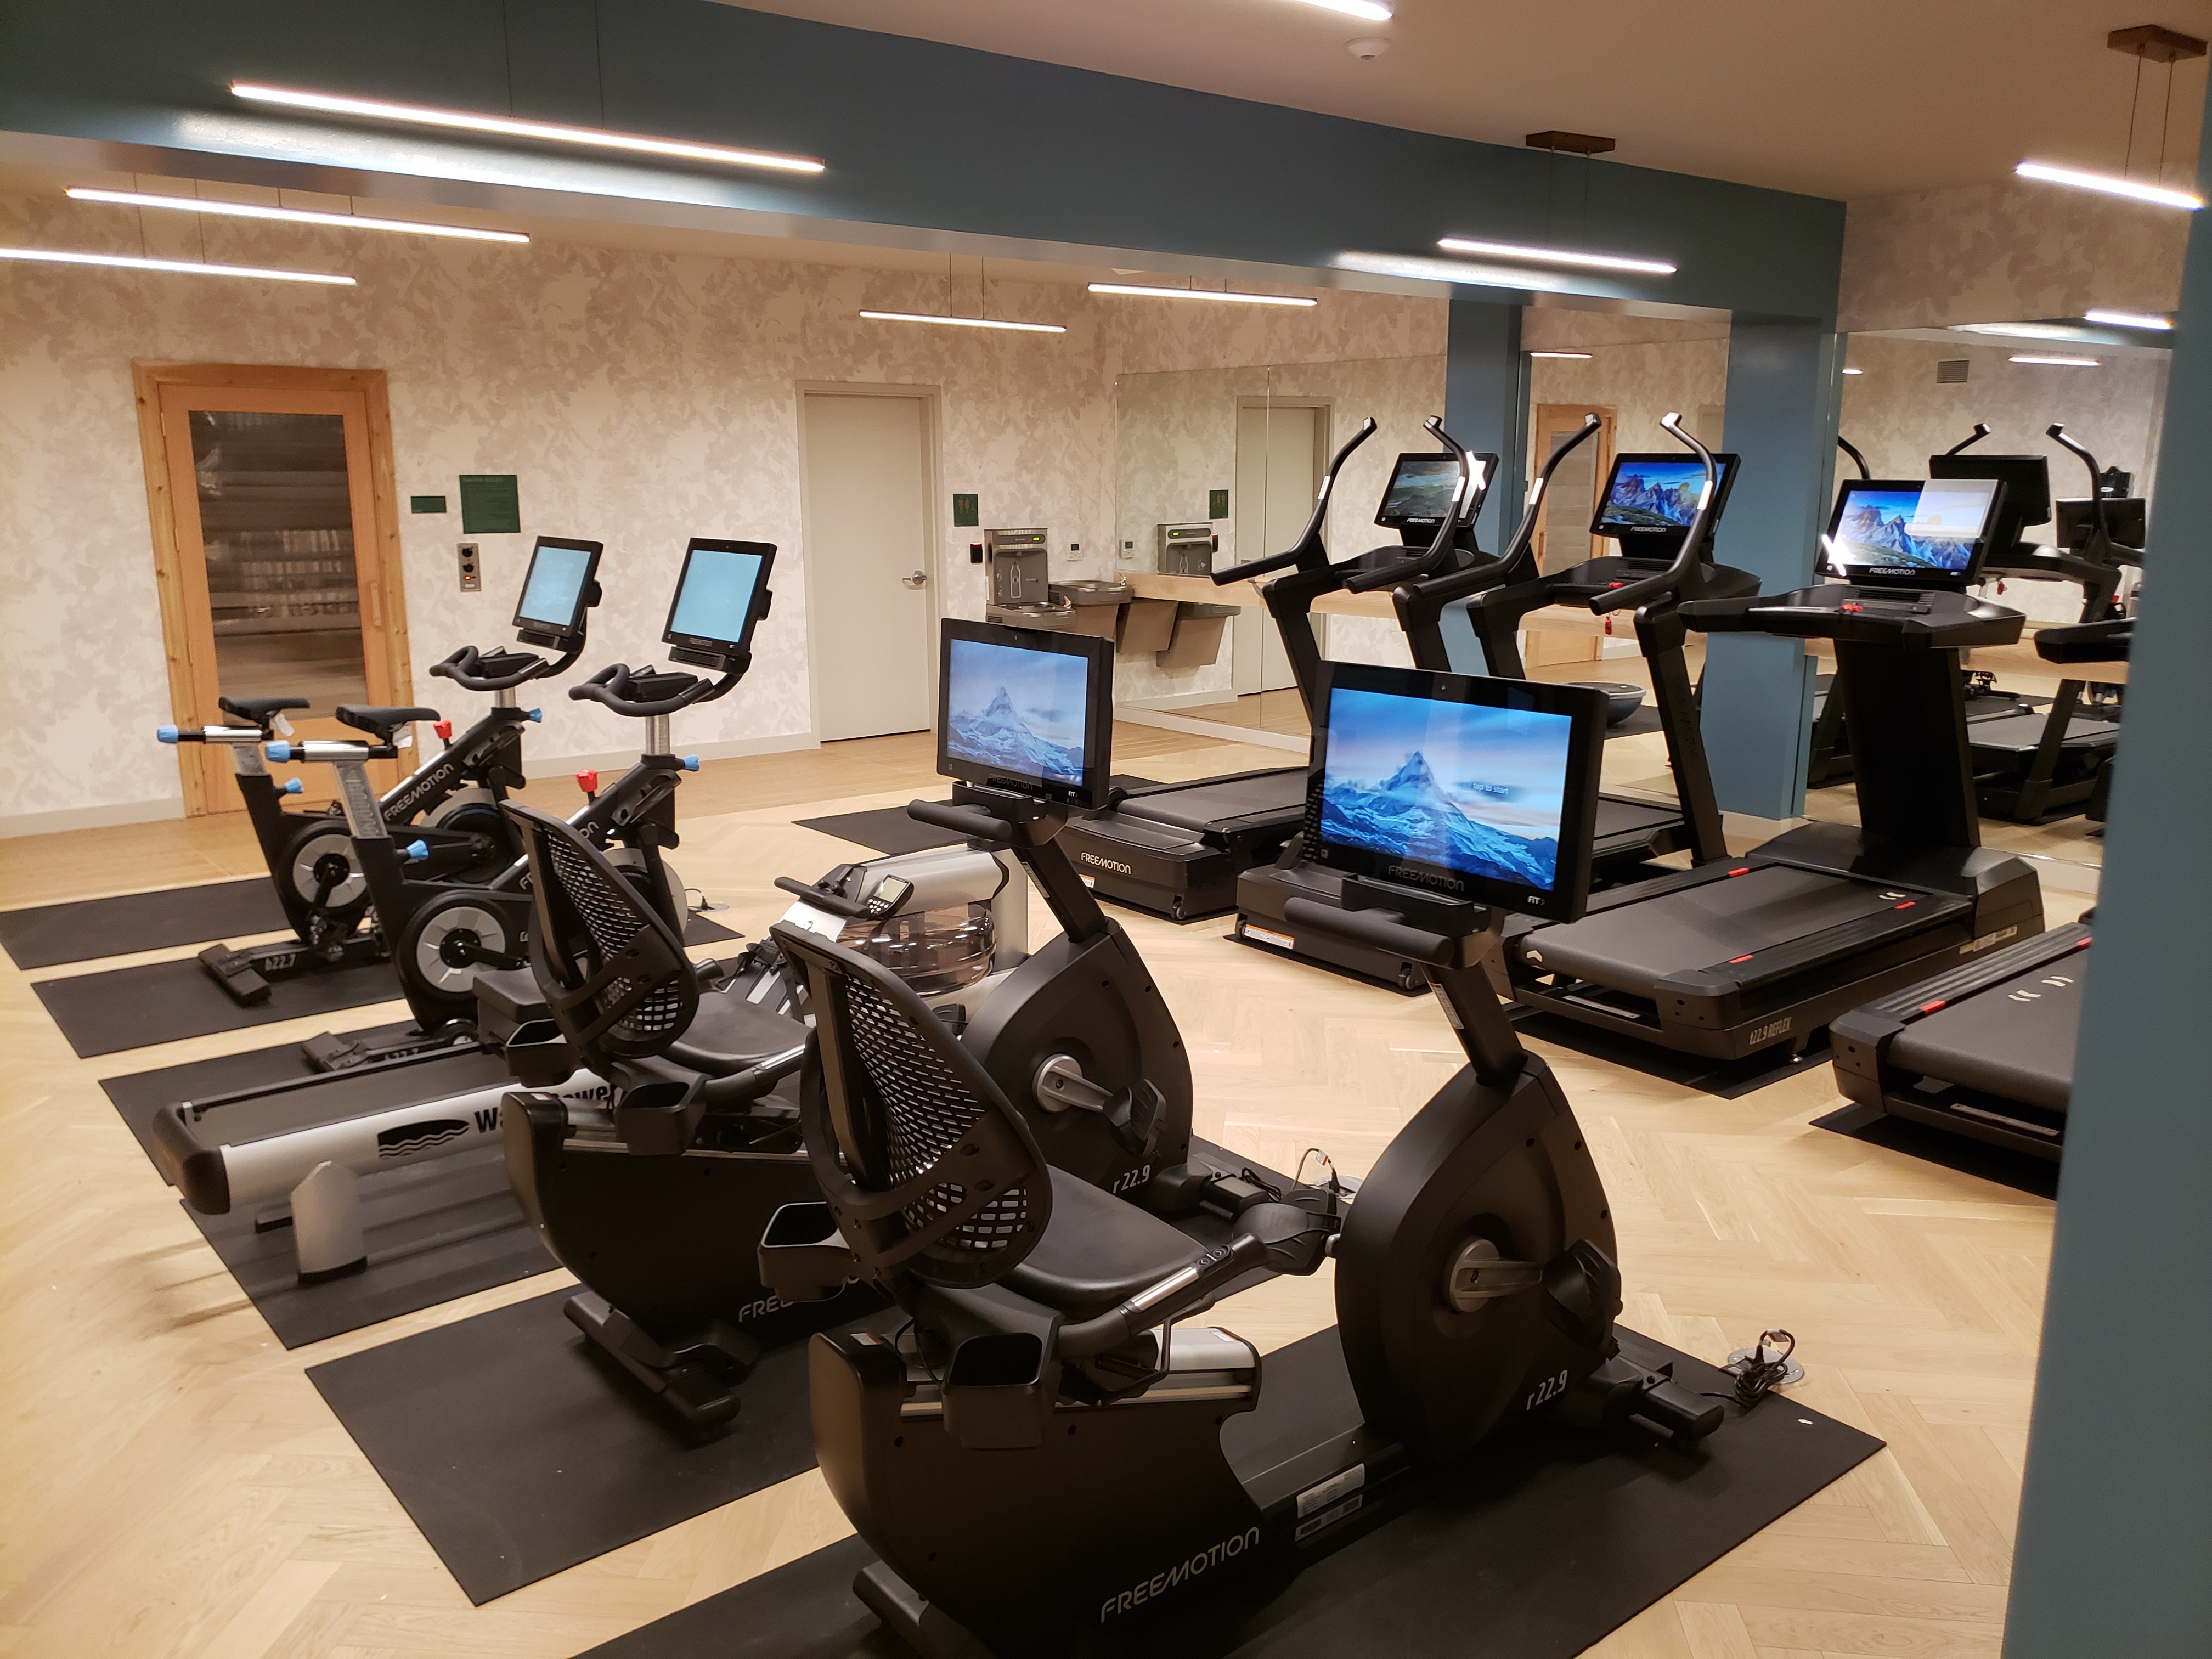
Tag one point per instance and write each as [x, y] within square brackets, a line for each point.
[289, 215]
[2147, 43]
[505, 126]
[948, 319]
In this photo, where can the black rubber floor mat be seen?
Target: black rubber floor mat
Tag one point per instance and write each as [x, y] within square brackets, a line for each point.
[1726, 1080]
[2018, 1170]
[888, 831]
[88, 929]
[157, 1002]
[520, 1449]
[1643, 722]
[1535, 1546]
[436, 1231]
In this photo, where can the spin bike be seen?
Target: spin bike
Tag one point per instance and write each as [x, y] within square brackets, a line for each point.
[449, 805]
[1042, 1451]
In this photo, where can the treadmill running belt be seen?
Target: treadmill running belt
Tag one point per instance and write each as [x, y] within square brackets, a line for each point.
[1208, 802]
[2020, 1051]
[1633, 947]
[2024, 732]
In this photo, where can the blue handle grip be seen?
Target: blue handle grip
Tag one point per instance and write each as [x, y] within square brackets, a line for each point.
[690, 762]
[165, 733]
[536, 714]
[280, 752]
[293, 786]
[416, 852]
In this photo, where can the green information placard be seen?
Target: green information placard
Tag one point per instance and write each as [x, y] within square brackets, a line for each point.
[491, 504]
[1216, 503]
[966, 514]
[426, 503]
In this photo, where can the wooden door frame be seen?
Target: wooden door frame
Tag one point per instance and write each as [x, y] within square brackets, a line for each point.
[1324, 405]
[934, 501]
[377, 567]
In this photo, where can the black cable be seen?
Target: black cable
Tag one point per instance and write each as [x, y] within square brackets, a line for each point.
[1755, 1375]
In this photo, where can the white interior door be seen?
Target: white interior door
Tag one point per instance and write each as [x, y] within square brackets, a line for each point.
[868, 565]
[1277, 472]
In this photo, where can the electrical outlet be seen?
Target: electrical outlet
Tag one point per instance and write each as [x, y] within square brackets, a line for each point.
[471, 568]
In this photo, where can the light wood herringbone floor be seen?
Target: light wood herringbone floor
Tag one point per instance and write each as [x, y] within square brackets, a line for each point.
[176, 1487]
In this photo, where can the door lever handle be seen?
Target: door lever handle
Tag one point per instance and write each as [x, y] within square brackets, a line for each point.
[919, 578]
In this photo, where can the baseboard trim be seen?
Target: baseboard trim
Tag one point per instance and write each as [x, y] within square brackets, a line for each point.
[619, 760]
[1138, 715]
[15, 825]
[1178, 700]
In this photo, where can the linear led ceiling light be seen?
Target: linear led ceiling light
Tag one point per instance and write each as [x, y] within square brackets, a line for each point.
[2127, 320]
[2062, 362]
[2134, 188]
[1232, 295]
[291, 215]
[506, 127]
[1373, 10]
[1555, 256]
[1579, 355]
[962, 322]
[132, 262]
[1855, 371]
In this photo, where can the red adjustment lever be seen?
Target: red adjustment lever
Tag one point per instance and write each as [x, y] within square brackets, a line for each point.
[1616, 584]
[588, 782]
[1851, 607]
[445, 731]
[1608, 624]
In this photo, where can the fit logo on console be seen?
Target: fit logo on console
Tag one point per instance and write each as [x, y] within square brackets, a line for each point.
[1160, 1583]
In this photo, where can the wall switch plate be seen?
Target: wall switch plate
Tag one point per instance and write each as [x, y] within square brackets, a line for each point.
[471, 568]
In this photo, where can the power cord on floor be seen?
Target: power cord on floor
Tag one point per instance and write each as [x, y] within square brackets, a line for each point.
[1760, 1370]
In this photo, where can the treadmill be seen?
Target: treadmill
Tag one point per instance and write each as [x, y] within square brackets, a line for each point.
[1747, 954]
[1176, 849]
[1264, 894]
[1662, 510]
[2036, 763]
[1985, 1050]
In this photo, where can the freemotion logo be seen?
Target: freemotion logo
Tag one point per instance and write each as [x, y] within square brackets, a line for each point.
[1119, 869]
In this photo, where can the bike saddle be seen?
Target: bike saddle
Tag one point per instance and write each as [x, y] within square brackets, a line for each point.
[259, 711]
[381, 722]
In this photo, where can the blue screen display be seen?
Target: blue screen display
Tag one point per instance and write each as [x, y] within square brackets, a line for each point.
[1653, 494]
[554, 586]
[1020, 711]
[1926, 526]
[716, 600]
[1462, 785]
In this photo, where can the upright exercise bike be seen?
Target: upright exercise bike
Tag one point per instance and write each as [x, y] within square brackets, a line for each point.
[448, 806]
[1041, 1452]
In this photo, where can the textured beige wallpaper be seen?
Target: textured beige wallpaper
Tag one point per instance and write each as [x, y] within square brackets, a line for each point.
[642, 397]
[2006, 253]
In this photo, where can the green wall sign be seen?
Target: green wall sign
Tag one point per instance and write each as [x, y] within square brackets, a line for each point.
[491, 504]
[426, 503]
[966, 514]
[1216, 503]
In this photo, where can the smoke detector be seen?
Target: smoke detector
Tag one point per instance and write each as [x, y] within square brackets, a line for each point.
[1368, 47]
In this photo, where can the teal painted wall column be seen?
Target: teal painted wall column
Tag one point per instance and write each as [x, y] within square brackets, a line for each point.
[1486, 403]
[1485, 409]
[2114, 1554]
[1783, 391]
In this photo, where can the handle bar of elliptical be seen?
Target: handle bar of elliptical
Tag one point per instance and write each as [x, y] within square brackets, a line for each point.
[2098, 510]
[1981, 431]
[1852, 450]
[1308, 549]
[1669, 581]
[1525, 532]
[1432, 560]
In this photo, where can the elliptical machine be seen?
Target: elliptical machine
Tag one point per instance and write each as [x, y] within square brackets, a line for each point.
[655, 1197]
[450, 803]
[1048, 1370]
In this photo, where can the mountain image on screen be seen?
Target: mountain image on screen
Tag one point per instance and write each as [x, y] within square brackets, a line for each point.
[1870, 529]
[1000, 737]
[1641, 502]
[1409, 816]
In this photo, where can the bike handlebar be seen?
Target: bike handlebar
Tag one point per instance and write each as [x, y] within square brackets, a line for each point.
[490, 671]
[645, 693]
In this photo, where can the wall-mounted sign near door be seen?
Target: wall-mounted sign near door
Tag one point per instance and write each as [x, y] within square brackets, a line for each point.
[1216, 503]
[426, 503]
[491, 504]
[966, 514]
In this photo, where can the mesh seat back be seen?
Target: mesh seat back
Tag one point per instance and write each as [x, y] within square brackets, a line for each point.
[933, 1175]
[612, 969]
